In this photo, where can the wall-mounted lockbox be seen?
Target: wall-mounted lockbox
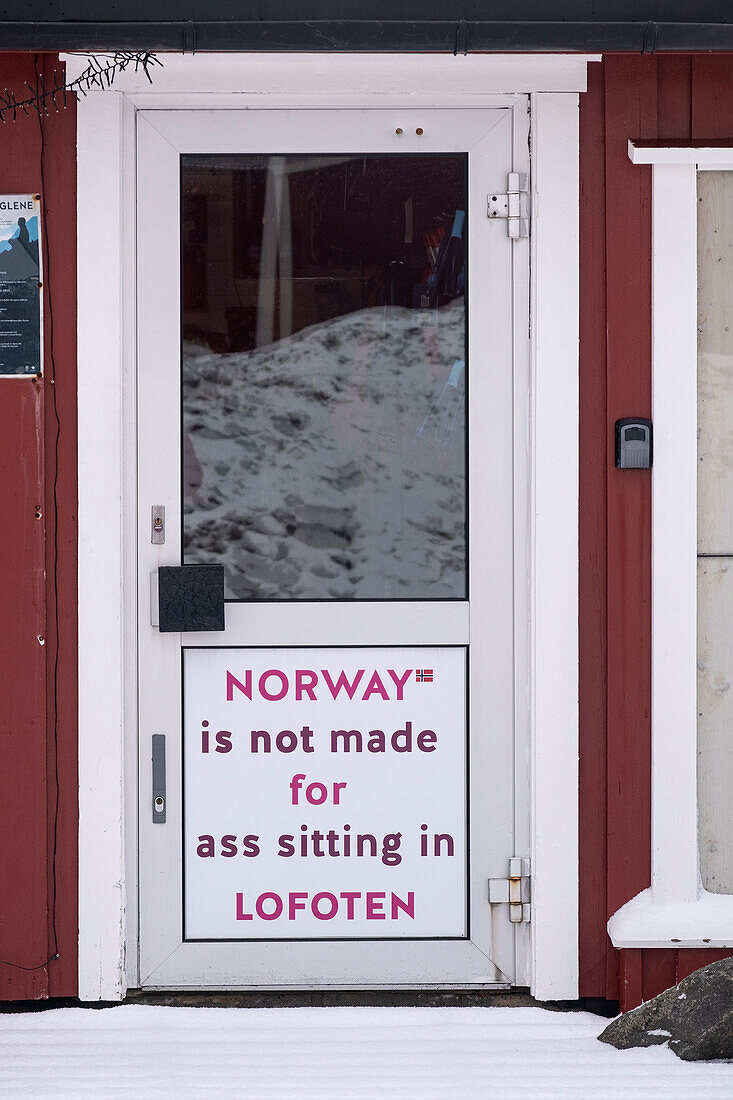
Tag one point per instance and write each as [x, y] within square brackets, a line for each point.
[633, 443]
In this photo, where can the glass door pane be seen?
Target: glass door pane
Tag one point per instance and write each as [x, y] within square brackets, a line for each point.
[324, 374]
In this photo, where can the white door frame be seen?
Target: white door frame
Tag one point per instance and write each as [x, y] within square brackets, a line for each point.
[107, 486]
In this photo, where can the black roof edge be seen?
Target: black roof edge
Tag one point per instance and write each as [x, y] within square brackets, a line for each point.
[393, 36]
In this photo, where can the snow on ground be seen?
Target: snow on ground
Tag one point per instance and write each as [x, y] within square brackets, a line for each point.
[331, 463]
[141, 1052]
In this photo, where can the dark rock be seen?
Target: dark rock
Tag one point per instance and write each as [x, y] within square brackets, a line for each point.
[695, 1017]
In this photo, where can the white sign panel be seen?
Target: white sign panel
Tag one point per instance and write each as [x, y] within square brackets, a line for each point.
[325, 793]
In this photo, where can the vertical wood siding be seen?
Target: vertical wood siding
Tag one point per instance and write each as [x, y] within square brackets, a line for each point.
[38, 860]
[628, 97]
[664, 98]
[595, 954]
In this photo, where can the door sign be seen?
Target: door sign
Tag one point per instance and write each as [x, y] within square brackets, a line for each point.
[20, 285]
[325, 793]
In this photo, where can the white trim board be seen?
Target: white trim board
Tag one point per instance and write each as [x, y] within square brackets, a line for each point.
[674, 538]
[676, 911]
[102, 892]
[554, 597]
[704, 156]
[413, 78]
[107, 684]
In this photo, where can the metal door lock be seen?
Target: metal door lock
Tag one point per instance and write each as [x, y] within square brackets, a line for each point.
[157, 525]
[158, 755]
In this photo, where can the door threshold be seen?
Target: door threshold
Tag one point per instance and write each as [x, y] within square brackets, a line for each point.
[495, 996]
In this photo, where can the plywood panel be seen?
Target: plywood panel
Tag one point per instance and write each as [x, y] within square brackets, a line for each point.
[715, 722]
[715, 529]
[715, 363]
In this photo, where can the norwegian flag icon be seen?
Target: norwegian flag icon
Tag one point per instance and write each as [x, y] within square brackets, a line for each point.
[424, 675]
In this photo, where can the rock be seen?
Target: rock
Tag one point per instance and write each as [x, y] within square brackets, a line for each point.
[695, 1017]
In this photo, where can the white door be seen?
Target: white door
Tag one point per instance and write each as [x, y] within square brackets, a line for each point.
[331, 350]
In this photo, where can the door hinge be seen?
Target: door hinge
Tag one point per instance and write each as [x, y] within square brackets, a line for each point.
[513, 207]
[514, 889]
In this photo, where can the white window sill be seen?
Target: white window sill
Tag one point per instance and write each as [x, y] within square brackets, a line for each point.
[705, 922]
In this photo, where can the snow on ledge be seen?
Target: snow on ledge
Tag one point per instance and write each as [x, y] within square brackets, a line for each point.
[706, 922]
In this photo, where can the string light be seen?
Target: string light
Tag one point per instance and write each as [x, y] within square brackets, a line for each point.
[99, 73]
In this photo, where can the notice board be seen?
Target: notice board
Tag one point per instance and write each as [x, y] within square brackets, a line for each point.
[325, 793]
[21, 321]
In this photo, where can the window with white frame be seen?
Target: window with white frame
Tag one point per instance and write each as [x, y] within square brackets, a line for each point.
[690, 902]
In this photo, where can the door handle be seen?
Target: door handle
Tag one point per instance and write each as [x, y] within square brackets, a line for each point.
[190, 597]
[159, 779]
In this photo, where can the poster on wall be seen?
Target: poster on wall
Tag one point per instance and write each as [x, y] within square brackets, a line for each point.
[325, 793]
[20, 286]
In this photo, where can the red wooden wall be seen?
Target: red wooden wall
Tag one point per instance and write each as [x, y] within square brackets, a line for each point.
[664, 97]
[38, 776]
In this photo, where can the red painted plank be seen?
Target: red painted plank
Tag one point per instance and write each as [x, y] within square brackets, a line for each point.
[659, 971]
[59, 172]
[631, 111]
[38, 716]
[23, 878]
[712, 97]
[592, 536]
[674, 97]
[630, 984]
[691, 959]
[23, 781]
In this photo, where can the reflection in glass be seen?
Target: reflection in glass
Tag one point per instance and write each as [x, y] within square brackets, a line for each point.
[324, 374]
